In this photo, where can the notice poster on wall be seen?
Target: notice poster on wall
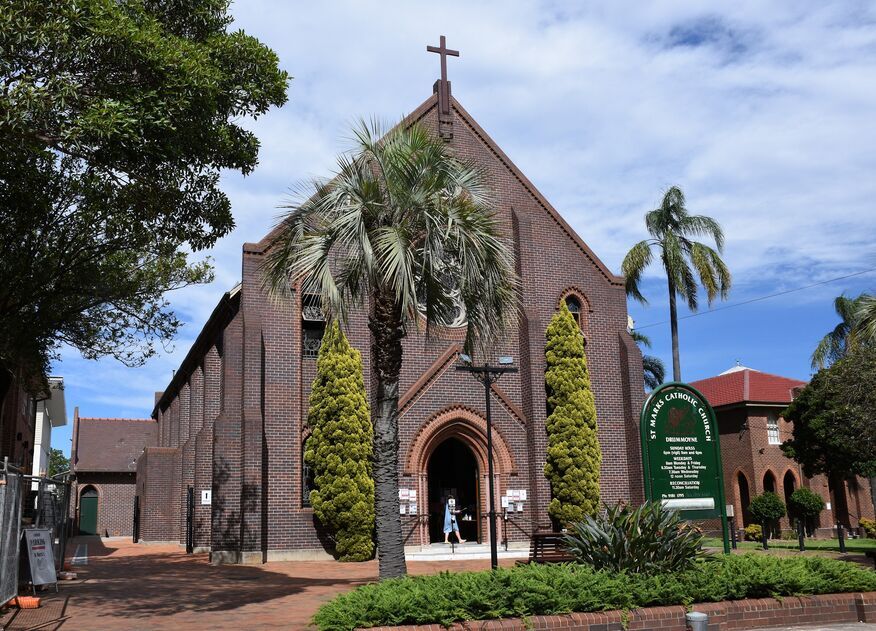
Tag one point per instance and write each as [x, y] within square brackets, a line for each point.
[40, 556]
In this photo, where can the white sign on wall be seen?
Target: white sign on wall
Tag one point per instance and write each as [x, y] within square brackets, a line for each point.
[206, 498]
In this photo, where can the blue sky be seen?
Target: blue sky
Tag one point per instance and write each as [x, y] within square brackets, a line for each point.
[762, 112]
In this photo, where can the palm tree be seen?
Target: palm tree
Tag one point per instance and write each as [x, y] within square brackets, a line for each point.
[671, 229]
[404, 228]
[867, 317]
[655, 371]
[857, 326]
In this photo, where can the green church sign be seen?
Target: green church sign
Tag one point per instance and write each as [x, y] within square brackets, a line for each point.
[681, 454]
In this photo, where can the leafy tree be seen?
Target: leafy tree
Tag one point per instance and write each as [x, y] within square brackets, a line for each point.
[405, 228]
[339, 449]
[834, 432]
[806, 505]
[672, 230]
[117, 118]
[767, 508]
[58, 462]
[573, 454]
[655, 371]
[848, 334]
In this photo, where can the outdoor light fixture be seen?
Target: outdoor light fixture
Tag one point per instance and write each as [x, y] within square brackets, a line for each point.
[488, 375]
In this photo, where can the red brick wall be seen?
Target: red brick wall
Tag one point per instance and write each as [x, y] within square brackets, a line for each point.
[745, 448]
[757, 613]
[158, 489]
[17, 417]
[115, 501]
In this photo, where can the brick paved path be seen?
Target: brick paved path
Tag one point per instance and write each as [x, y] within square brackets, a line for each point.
[131, 587]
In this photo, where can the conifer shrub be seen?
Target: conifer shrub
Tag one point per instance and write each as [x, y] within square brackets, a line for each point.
[339, 449]
[753, 532]
[573, 454]
[649, 539]
[537, 590]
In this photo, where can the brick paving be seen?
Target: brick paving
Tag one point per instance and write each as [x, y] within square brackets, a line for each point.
[158, 587]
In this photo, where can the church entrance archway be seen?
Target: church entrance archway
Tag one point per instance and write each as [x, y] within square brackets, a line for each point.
[453, 472]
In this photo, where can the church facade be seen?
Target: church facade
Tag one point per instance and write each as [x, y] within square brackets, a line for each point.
[232, 421]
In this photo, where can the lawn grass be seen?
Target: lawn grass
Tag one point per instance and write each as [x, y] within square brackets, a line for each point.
[852, 545]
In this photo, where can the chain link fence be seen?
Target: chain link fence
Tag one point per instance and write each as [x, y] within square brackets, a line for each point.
[30, 501]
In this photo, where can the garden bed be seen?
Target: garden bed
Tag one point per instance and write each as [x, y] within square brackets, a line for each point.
[532, 591]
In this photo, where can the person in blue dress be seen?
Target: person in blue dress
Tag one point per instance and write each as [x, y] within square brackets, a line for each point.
[450, 523]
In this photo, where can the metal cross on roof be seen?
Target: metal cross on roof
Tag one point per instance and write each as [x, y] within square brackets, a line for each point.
[443, 51]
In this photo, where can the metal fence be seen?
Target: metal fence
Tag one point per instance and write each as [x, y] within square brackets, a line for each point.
[30, 501]
[10, 530]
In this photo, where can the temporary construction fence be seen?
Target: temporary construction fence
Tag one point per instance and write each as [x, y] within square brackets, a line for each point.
[29, 501]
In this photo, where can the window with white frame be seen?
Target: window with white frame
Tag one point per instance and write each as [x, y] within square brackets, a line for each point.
[773, 429]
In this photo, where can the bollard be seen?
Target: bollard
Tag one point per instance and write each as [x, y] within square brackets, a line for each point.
[765, 534]
[733, 533]
[841, 537]
[801, 541]
[697, 621]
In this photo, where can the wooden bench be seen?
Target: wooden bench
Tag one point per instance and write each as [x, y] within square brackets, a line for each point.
[548, 547]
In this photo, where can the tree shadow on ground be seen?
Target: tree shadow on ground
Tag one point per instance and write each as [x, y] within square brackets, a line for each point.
[148, 585]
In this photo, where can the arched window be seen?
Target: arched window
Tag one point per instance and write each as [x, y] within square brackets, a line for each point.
[312, 325]
[308, 478]
[769, 482]
[574, 305]
[789, 485]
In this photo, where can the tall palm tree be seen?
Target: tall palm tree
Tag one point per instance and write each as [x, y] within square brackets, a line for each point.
[405, 228]
[671, 228]
[655, 371]
[857, 326]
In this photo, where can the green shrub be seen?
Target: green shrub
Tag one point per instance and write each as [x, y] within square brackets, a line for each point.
[869, 526]
[767, 508]
[532, 590]
[573, 453]
[805, 503]
[339, 449]
[753, 532]
[649, 539]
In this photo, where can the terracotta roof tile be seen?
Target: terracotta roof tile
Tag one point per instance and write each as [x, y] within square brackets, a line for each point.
[747, 386]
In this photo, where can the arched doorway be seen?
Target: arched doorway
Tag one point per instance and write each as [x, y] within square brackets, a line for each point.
[769, 482]
[88, 511]
[744, 497]
[453, 472]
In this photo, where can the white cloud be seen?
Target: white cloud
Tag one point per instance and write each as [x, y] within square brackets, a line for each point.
[762, 112]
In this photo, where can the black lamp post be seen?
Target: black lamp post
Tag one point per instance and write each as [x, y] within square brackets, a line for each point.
[488, 375]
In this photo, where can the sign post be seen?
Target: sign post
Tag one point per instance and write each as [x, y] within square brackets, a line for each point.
[40, 557]
[681, 454]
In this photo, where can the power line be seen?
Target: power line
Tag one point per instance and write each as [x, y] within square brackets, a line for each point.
[758, 299]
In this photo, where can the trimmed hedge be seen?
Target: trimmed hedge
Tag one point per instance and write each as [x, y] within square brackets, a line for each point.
[531, 590]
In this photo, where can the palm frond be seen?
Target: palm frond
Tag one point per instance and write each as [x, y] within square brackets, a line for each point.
[865, 315]
[635, 262]
[702, 226]
[640, 338]
[655, 371]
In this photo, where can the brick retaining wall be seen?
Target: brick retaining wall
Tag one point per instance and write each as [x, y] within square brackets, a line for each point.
[752, 613]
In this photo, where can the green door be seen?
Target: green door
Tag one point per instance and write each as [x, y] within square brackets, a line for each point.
[88, 512]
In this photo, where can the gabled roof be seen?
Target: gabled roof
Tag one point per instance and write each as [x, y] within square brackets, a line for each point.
[746, 385]
[111, 444]
[468, 120]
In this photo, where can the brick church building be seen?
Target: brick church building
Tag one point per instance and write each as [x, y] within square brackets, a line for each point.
[231, 422]
[748, 405]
